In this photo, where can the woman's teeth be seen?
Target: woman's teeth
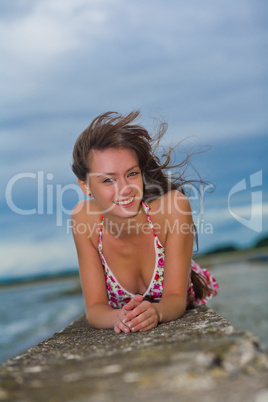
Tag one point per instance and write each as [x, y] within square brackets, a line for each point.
[124, 202]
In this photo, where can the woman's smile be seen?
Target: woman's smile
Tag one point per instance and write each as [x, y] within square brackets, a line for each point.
[126, 203]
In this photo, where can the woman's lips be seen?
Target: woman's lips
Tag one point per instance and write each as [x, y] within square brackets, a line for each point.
[125, 202]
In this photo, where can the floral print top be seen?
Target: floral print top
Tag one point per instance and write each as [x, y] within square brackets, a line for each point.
[118, 296]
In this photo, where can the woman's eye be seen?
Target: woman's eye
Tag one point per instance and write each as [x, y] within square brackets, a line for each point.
[109, 180]
[133, 173]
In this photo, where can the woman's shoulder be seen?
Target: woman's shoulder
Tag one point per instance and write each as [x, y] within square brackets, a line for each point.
[172, 203]
[86, 218]
[168, 213]
[86, 209]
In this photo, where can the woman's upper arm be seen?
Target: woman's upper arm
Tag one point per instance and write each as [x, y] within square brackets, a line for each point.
[179, 245]
[90, 267]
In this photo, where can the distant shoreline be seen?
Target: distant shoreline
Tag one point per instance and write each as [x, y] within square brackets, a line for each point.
[254, 254]
[59, 276]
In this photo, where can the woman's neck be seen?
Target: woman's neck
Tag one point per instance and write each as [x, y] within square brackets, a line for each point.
[125, 227]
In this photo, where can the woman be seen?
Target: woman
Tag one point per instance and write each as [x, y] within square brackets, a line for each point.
[134, 235]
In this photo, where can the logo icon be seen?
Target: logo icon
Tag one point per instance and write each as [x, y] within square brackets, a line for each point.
[255, 220]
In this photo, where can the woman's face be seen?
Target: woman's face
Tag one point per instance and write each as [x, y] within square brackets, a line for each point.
[115, 181]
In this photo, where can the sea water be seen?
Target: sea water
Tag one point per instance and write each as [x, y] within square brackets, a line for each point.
[243, 296]
[29, 313]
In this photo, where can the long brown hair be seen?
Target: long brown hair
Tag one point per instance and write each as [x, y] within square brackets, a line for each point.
[112, 130]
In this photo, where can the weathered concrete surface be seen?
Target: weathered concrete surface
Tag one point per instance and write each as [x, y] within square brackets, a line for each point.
[198, 357]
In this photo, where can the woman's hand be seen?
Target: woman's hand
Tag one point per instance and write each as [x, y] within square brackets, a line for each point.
[120, 322]
[143, 317]
[135, 302]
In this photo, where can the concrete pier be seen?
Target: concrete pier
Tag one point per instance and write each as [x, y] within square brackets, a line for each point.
[197, 357]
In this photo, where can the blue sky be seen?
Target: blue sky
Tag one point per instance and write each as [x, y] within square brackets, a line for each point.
[202, 66]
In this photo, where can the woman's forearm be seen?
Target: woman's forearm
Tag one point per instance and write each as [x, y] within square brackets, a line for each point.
[170, 307]
[101, 316]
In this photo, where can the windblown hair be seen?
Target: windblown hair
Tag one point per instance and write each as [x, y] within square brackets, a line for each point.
[112, 130]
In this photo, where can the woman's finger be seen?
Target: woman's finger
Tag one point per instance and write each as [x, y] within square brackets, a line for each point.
[147, 323]
[144, 329]
[148, 317]
[134, 302]
[119, 324]
[117, 330]
[145, 305]
[121, 327]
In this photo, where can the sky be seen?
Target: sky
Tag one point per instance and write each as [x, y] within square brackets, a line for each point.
[200, 65]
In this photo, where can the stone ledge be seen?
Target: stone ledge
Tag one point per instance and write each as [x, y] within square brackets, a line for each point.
[197, 356]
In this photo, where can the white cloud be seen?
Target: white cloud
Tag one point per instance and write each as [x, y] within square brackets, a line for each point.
[52, 28]
[36, 44]
[31, 257]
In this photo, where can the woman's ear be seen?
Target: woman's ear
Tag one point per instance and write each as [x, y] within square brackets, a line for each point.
[84, 187]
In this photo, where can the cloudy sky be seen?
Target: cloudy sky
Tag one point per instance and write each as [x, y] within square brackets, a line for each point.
[200, 65]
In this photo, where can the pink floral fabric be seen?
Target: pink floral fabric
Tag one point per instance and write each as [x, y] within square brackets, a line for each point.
[118, 296]
[208, 279]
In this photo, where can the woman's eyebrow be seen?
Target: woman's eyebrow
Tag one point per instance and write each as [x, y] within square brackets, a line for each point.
[114, 174]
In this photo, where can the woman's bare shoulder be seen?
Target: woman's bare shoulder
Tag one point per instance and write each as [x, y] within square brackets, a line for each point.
[172, 203]
[86, 210]
[86, 218]
[173, 214]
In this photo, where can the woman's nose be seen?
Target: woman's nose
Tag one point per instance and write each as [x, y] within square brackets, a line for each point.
[124, 187]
